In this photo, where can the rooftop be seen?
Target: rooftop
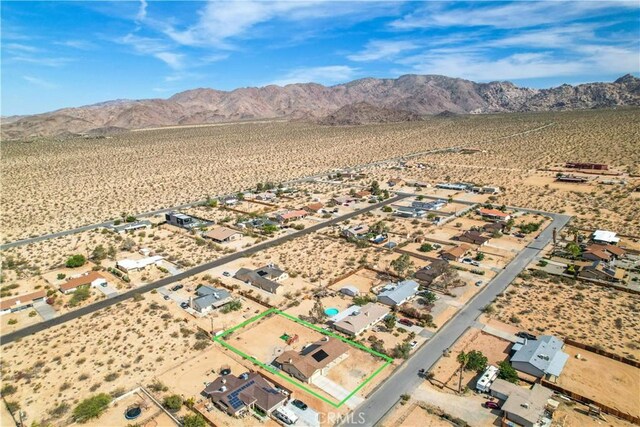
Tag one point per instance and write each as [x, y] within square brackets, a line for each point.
[545, 353]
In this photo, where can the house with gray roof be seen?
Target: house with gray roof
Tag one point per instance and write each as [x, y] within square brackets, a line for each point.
[542, 357]
[209, 298]
[398, 294]
[265, 278]
[527, 407]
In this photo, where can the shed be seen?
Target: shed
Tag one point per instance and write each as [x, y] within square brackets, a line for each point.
[350, 290]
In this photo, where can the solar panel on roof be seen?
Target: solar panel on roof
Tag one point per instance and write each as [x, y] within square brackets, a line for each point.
[320, 355]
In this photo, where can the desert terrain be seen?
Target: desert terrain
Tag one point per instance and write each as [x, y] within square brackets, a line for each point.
[51, 185]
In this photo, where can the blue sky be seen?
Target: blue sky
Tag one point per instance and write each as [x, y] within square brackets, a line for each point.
[58, 54]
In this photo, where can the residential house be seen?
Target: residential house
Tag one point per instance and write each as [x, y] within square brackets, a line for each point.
[129, 265]
[570, 178]
[223, 234]
[409, 212]
[596, 166]
[542, 357]
[428, 274]
[341, 200]
[362, 194]
[600, 270]
[209, 298]
[493, 214]
[238, 395]
[93, 279]
[397, 294]
[349, 290]
[359, 231]
[595, 252]
[265, 278]
[456, 253]
[527, 407]
[313, 360]
[395, 182]
[313, 207]
[130, 226]
[494, 227]
[21, 302]
[433, 205]
[357, 319]
[265, 197]
[453, 186]
[603, 236]
[181, 220]
[485, 190]
[473, 237]
[291, 215]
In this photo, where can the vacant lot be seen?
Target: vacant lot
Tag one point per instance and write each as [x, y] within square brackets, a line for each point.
[585, 312]
[604, 380]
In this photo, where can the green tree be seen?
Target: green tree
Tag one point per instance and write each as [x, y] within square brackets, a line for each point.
[317, 311]
[81, 293]
[379, 227]
[479, 256]
[463, 360]
[375, 188]
[99, 253]
[173, 402]
[194, 421]
[402, 351]
[402, 264]
[506, 372]
[91, 407]
[429, 297]
[61, 276]
[574, 249]
[75, 261]
[130, 218]
[234, 305]
[425, 247]
[477, 361]
[390, 321]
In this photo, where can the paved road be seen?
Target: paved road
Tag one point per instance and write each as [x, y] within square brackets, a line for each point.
[406, 379]
[29, 330]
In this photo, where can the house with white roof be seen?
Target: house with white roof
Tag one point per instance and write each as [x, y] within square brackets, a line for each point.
[603, 236]
[394, 295]
[128, 265]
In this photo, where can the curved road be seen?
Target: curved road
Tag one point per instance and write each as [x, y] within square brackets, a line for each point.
[39, 327]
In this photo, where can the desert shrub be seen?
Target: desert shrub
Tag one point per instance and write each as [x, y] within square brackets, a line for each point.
[173, 402]
[75, 261]
[8, 389]
[12, 321]
[194, 421]
[82, 293]
[507, 372]
[157, 386]
[234, 305]
[425, 247]
[61, 276]
[60, 410]
[91, 407]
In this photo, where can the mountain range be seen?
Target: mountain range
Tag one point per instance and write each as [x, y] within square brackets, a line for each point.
[360, 101]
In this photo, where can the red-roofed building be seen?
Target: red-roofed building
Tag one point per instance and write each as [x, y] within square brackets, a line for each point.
[92, 278]
[291, 215]
[493, 214]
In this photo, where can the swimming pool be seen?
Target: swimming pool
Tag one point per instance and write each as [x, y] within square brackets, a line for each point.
[331, 311]
[133, 412]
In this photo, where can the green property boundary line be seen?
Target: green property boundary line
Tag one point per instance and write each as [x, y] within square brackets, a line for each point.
[220, 340]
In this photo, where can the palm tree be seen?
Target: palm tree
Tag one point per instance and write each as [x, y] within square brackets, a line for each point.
[463, 359]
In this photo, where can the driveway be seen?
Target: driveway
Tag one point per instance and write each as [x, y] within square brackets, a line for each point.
[306, 418]
[109, 291]
[337, 391]
[468, 407]
[45, 310]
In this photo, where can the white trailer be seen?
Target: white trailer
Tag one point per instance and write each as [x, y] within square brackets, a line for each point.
[484, 382]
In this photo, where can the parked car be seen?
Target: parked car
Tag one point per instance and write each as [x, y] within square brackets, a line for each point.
[475, 263]
[526, 335]
[184, 305]
[299, 404]
[491, 405]
[467, 261]
[226, 274]
[413, 344]
[103, 284]
[519, 235]
[436, 246]
[177, 287]
[479, 283]
[166, 297]
[405, 322]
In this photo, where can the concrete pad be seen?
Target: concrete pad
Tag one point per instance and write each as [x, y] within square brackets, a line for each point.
[45, 311]
[337, 391]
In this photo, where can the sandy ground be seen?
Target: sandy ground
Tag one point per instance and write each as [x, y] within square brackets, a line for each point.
[152, 415]
[446, 373]
[112, 349]
[585, 312]
[575, 414]
[602, 379]
[411, 415]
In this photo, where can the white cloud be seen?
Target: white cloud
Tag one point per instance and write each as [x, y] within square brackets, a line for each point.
[78, 44]
[142, 11]
[155, 47]
[20, 47]
[383, 49]
[519, 14]
[330, 74]
[478, 67]
[173, 60]
[40, 82]
[41, 60]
